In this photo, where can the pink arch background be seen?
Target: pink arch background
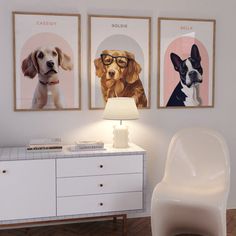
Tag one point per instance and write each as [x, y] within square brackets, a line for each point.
[182, 47]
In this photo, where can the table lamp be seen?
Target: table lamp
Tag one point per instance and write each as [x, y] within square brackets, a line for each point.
[120, 108]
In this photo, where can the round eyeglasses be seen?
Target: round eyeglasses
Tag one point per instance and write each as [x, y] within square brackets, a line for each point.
[121, 61]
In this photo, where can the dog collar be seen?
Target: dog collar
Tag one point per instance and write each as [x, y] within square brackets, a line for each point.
[49, 83]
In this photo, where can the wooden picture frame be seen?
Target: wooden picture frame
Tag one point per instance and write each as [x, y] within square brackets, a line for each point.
[186, 62]
[124, 43]
[46, 49]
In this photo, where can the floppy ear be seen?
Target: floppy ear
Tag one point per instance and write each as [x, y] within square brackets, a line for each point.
[133, 70]
[100, 69]
[64, 60]
[29, 65]
[176, 60]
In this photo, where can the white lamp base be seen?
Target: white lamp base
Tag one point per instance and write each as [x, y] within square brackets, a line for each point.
[120, 136]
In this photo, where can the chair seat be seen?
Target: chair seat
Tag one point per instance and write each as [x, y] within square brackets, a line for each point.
[197, 196]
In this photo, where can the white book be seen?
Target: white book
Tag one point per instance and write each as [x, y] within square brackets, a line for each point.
[89, 144]
[45, 141]
[77, 149]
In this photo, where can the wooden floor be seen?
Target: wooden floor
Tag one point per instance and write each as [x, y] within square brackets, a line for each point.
[136, 227]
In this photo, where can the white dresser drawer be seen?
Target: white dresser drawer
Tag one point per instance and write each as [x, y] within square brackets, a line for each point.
[99, 203]
[99, 165]
[99, 184]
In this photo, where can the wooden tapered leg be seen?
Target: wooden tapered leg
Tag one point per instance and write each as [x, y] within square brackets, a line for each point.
[125, 225]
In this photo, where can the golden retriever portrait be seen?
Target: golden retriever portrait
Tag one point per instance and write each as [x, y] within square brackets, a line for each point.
[45, 63]
[119, 73]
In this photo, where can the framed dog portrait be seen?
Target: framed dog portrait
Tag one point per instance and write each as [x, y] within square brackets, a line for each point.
[46, 61]
[186, 54]
[119, 59]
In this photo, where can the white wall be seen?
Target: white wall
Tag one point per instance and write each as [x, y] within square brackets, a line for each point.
[155, 127]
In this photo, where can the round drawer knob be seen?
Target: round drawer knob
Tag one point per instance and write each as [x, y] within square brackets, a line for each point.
[101, 204]
[4, 171]
[101, 185]
[101, 166]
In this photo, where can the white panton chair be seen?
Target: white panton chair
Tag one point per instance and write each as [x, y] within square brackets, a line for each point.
[192, 196]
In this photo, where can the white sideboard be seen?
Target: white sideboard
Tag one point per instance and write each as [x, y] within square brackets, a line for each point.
[54, 186]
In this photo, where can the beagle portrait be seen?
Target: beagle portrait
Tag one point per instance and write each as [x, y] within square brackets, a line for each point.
[119, 73]
[45, 62]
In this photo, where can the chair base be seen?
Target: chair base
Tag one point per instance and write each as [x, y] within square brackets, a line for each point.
[170, 219]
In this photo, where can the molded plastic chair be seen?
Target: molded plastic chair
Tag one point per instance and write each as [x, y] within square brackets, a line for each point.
[192, 196]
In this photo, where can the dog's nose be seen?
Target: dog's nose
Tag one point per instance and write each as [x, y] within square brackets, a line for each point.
[50, 64]
[192, 74]
[111, 73]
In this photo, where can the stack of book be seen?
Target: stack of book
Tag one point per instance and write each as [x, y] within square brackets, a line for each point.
[45, 145]
[88, 146]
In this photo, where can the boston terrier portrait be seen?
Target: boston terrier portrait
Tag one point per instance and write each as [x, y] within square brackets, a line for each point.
[190, 71]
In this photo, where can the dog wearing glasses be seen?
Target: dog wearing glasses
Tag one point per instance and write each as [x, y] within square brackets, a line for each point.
[45, 62]
[119, 73]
